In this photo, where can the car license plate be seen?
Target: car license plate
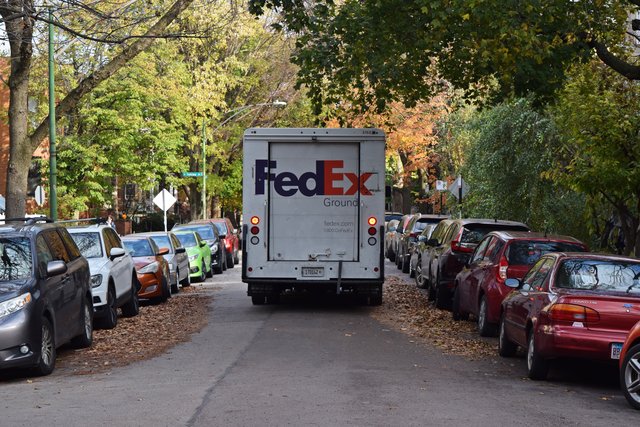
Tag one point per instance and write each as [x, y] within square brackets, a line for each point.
[312, 271]
[616, 349]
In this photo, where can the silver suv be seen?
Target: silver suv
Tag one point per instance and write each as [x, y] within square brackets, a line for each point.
[114, 282]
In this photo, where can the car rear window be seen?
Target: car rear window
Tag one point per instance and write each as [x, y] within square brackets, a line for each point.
[15, 258]
[89, 244]
[222, 227]
[473, 233]
[163, 242]
[521, 252]
[206, 231]
[140, 247]
[188, 240]
[618, 276]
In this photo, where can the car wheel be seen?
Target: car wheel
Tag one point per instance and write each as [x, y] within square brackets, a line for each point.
[391, 255]
[257, 299]
[236, 258]
[223, 260]
[506, 348]
[211, 271]
[456, 314]
[441, 296]
[405, 264]
[110, 319]
[174, 286]
[537, 366]
[132, 307]
[47, 359]
[85, 338]
[166, 292]
[186, 282]
[230, 260]
[485, 328]
[418, 276]
[399, 262]
[630, 376]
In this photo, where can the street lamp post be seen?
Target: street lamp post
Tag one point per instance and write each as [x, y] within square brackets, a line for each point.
[236, 112]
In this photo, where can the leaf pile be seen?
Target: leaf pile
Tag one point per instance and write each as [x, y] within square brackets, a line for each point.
[157, 328]
[407, 309]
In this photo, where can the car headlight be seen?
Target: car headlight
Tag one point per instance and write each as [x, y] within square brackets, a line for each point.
[149, 268]
[96, 280]
[214, 248]
[14, 304]
[193, 257]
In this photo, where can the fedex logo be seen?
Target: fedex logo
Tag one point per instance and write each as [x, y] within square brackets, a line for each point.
[323, 181]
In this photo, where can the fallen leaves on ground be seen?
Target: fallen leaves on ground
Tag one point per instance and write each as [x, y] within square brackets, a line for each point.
[407, 309]
[157, 328]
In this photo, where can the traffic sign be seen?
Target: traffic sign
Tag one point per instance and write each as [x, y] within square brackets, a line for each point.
[164, 200]
[458, 185]
[191, 173]
[40, 196]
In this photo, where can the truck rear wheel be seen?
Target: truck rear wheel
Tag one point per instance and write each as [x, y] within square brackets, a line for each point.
[257, 299]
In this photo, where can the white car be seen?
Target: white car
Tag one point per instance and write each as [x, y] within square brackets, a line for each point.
[114, 282]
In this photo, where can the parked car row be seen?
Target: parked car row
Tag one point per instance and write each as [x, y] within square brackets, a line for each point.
[57, 278]
[546, 294]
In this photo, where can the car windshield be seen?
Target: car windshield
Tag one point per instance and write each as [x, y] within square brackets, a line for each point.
[162, 242]
[188, 240]
[89, 244]
[206, 232]
[602, 275]
[419, 226]
[522, 252]
[222, 227]
[15, 258]
[473, 233]
[140, 247]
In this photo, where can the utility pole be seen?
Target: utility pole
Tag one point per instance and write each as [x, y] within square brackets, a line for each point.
[53, 169]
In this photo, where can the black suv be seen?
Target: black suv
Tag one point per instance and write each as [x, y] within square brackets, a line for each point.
[45, 295]
[209, 232]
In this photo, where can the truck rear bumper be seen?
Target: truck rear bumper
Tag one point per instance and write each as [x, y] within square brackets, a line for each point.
[276, 286]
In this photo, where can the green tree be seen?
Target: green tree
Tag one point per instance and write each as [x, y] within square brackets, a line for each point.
[598, 116]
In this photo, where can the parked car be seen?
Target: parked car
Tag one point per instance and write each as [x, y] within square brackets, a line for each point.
[114, 282]
[415, 249]
[229, 236]
[389, 231]
[479, 287]
[630, 367]
[577, 305]
[388, 216]
[45, 295]
[152, 268]
[209, 232]
[449, 252]
[176, 257]
[429, 249]
[395, 240]
[409, 236]
[198, 252]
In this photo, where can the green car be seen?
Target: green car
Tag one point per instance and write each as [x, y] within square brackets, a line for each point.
[199, 254]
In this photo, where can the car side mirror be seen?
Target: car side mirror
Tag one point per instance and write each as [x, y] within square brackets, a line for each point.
[163, 251]
[55, 268]
[512, 283]
[181, 250]
[203, 244]
[116, 252]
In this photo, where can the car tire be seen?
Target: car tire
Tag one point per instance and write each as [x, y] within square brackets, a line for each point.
[47, 357]
[257, 299]
[186, 282]
[175, 287]
[399, 262]
[132, 307]
[418, 276]
[391, 255]
[629, 376]
[166, 292]
[224, 261]
[85, 338]
[405, 264]
[229, 262]
[236, 258]
[456, 314]
[440, 298]
[506, 348]
[203, 272]
[537, 366]
[485, 328]
[110, 319]
[210, 272]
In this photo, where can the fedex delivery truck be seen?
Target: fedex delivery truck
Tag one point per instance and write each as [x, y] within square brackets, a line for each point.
[313, 212]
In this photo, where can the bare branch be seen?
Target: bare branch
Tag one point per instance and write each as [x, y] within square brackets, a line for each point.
[619, 65]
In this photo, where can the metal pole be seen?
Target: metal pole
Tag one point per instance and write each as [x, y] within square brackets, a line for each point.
[53, 170]
[204, 171]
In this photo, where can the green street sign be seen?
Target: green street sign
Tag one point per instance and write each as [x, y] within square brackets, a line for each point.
[191, 173]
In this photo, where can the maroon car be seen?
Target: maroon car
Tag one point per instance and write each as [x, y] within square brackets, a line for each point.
[576, 305]
[479, 287]
[229, 236]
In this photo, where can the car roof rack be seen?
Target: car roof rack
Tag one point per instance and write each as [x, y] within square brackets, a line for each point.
[28, 220]
[91, 221]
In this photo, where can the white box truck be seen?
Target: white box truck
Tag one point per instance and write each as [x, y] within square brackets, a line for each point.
[313, 212]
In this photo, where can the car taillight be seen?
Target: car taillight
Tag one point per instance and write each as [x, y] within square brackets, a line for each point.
[503, 266]
[572, 313]
[414, 235]
[461, 247]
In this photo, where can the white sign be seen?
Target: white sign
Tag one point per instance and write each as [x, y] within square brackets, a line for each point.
[458, 185]
[164, 200]
[40, 196]
[441, 185]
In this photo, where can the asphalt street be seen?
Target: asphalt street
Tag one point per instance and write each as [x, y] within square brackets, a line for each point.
[306, 363]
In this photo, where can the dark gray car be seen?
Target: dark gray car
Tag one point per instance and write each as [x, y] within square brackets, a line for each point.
[177, 258]
[45, 295]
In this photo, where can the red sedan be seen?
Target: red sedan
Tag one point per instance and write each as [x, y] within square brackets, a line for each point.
[479, 287]
[571, 305]
[630, 367]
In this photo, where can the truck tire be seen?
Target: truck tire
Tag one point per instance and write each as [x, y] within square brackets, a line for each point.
[257, 299]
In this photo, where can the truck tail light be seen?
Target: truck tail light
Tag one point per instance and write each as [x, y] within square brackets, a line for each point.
[255, 220]
[503, 266]
[372, 231]
[372, 221]
[572, 313]
[255, 229]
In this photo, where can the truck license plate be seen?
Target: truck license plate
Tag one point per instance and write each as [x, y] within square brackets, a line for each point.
[312, 271]
[616, 348]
